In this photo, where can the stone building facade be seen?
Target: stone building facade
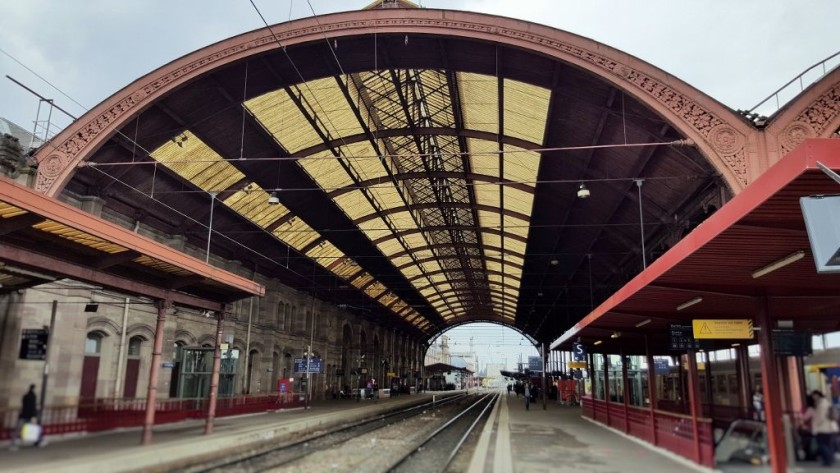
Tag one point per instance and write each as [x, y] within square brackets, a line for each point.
[107, 353]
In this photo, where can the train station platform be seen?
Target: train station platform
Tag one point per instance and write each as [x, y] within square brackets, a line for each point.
[180, 444]
[560, 439]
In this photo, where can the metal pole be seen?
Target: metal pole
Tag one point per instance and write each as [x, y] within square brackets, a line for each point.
[151, 396]
[651, 390]
[214, 377]
[210, 227]
[248, 347]
[770, 385]
[642, 222]
[544, 393]
[121, 350]
[46, 375]
[308, 386]
[694, 402]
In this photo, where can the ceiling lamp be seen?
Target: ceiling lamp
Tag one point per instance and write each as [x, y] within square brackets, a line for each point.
[689, 303]
[791, 258]
[643, 323]
[554, 262]
[615, 335]
[273, 199]
[582, 192]
[598, 342]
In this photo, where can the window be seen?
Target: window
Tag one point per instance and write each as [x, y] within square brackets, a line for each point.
[134, 345]
[93, 343]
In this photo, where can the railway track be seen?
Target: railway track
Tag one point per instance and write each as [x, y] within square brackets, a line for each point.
[286, 456]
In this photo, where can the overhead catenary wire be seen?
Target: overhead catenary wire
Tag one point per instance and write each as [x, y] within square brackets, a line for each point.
[686, 142]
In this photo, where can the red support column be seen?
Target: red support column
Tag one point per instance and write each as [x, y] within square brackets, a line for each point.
[625, 391]
[214, 378]
[770, 389]
[694, 401]
[154, 370]
[651, 391]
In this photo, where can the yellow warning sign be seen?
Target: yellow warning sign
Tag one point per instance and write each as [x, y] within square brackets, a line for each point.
[738, 329]
[577, 364]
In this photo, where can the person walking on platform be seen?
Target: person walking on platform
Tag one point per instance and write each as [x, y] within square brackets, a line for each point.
[509, 388]
[824, 425]
[527, 397]
[28, 411]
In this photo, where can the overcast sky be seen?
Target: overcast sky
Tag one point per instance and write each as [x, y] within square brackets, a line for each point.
[735, 51]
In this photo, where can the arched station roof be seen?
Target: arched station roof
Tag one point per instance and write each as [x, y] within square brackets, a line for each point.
[426, 161]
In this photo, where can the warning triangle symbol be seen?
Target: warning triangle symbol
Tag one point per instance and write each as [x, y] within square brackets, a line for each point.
[705, 329]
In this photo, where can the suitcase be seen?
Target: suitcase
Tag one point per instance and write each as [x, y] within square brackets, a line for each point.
[30, 432]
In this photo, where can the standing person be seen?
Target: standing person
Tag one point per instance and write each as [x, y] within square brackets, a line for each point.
[509, 388]
[28, 411]
[824, 427]
[807, 441]
[527, 397]
[758, 404]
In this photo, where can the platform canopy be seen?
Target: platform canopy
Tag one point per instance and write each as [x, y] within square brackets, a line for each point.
[753, 254]
[413, 163]
[42, 239]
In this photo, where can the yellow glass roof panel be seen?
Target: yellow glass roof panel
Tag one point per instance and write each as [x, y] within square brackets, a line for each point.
[324, 98]
[388, 196]
[375, 289]
[192, 159]
[345, 268]
[375, 229]
[355, 204]
[252, 203]
[324, 253]
[80, 237]
[279, 114]
[479, 101]
[326, 170]
[296, 233]
[518, 201]
[361, 280]
[521, 165]
[9, 211]
[161, 266]
[526, 110]
[388, 298]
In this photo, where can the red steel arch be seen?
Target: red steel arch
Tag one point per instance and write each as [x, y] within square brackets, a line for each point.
[720, 134]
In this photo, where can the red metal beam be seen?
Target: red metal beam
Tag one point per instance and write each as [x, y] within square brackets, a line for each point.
[51, 265]
[32, 201]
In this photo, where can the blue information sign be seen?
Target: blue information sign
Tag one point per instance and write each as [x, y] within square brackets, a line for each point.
[314, 365]
[578, 352]
[660, 366]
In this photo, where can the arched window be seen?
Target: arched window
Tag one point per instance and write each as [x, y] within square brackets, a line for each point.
[134, 345]
[93, 343]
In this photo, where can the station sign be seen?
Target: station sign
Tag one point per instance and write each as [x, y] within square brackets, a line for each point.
[392, 374]
[578, 351]
[681, 337]
[33, 344]
[661, 366]
[577, 364]
[717, 329]
[314, 365]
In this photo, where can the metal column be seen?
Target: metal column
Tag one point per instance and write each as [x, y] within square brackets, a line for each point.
[214, 378]
[694, 401]
[770, 386]
[154, 370]
[651, 390]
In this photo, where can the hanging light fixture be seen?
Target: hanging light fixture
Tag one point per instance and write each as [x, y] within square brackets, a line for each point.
[582, 192]
[273, 199]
